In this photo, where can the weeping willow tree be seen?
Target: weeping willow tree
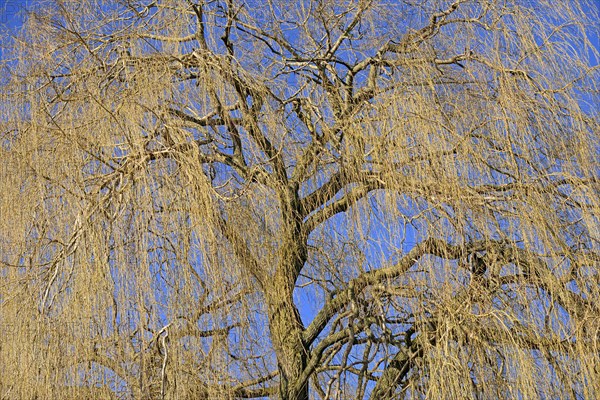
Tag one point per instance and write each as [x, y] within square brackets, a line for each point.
[315, 199]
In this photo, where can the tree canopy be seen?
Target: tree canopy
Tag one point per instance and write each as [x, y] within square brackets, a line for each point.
[321, 199]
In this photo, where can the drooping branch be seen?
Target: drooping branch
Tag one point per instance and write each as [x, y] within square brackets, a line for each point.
[343, 204]
[340, 299]
[498, 253]
[397, 369]
[242, 252]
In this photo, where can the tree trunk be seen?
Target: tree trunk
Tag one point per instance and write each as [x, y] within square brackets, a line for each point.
[284, 318]
[286, 335]
[285, 323]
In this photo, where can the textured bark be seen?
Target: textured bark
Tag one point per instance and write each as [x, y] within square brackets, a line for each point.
[284, 318]
[286, 334]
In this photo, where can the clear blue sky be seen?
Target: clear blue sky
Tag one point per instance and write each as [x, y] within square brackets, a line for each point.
[10, 10]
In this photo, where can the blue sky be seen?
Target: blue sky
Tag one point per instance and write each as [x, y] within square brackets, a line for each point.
[11, 17]
[10, 11]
